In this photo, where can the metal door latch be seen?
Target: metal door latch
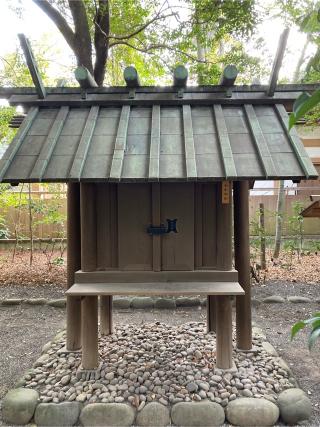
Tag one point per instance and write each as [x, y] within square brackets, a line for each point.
[161, 229]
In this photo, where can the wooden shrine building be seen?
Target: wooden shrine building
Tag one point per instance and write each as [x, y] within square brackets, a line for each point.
[158, 181]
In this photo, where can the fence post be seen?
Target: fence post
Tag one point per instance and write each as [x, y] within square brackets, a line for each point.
[262, 237]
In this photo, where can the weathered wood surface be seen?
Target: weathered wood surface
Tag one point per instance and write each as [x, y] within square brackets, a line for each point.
[32, 65]
[180, 76]
[154, 163]
[73, 264]
[224, 332]
[277, 62]
[6, 92]
[229, 76]
[149, 99]
[131, 77]
[159, 276]
[88, 227]
[84, 77]
[154, 288]
[106, 323]
[89, 336]
[49, 145]
[17, 141]
[144, 144]
[242, 263]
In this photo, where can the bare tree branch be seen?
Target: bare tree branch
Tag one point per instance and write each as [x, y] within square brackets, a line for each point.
[58, 20]
[143, 27]
[149, 50]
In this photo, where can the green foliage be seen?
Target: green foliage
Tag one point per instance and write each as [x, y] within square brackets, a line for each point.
[155, 35]
[303, 105]
[6, 133]
[314, 323]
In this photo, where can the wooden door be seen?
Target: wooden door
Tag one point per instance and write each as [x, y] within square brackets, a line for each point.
[134, 216]
[177, 249]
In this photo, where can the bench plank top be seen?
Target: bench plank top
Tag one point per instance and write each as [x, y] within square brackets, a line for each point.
[160, 288]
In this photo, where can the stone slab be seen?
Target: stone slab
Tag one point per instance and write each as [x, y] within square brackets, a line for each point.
[197, 414]
[107, 414]
[57, 414]
[154, 415]
[294, 406]
[248, 411]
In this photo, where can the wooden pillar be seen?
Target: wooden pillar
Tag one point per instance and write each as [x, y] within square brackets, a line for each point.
[106, 324]
[224, 332]
[90, 355]
[103, 202]
[242, 263]
[223, 304]
[73, 264]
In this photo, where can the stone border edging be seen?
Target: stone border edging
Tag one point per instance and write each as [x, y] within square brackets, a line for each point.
[168, 303]
[20, 406]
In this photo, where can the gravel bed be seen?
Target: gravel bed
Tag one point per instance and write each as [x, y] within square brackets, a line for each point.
[39, 291]
[157, 362]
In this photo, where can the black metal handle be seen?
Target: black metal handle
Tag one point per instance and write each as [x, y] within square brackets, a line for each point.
[156, 230]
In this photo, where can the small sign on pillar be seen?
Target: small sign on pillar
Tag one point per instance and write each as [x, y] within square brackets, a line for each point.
[225, 192]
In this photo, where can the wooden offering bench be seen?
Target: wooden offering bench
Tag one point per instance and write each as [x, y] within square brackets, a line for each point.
[158, 183]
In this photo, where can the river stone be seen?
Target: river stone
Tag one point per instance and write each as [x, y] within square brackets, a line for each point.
[298, 299]
[274, 299]
[41, 360]
[61, 414]
[269, 348]
[294, 406]
[187, 302]
[153, 414]
[249, 411]
[36, 301]
[19, 405]
[142, 302]
[107, 414]
[59, 303]
[165, 303]
[197, 414]
[11, 301]
[122, 303]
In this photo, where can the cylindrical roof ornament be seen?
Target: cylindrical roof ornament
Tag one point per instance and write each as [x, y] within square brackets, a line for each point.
[229, 75]
[131, 76]
[180, 76]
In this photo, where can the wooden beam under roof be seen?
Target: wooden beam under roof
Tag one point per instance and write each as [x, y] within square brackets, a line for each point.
[7, 92]
[149, 99]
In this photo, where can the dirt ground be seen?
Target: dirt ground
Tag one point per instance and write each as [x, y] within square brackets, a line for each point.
[24, 329]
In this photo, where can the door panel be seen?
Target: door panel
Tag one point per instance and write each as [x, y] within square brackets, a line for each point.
[177, 201]
[134, 213]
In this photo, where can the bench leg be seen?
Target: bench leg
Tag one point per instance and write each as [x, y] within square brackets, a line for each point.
[89, 329]
[211, 313]
[106, 326]
[224, 332]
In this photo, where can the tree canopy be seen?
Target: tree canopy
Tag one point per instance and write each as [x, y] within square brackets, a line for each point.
[105, 35]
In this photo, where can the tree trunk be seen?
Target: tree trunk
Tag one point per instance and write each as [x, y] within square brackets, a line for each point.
[279, 219]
